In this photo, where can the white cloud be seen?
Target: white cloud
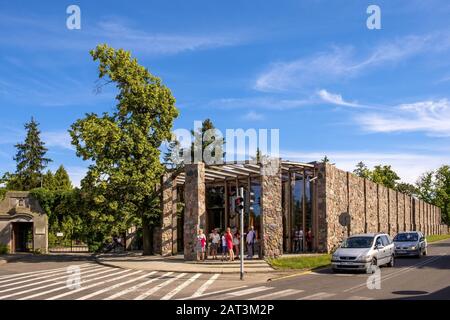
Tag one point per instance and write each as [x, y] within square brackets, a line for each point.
[409, 166]
[431, 117]
[59, 139]
[76, 174]
[269, 103]
[335, 99]
[254, 116]
[343, 62]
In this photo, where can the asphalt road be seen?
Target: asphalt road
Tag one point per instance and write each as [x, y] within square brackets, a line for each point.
[46, 277]
[427, 277]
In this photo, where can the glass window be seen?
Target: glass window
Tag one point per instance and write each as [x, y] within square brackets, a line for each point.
[385, 240]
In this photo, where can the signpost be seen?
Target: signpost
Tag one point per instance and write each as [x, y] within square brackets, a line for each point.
[241, 211]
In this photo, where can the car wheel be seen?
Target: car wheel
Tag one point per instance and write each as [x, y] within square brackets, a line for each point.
[419, 253]
[425, 252]
[391, 262]
[371, 268]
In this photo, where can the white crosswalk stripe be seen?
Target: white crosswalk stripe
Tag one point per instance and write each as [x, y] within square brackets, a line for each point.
[359, 298]
[278, 294]
[127, 274]
[181, 287]
[65, 285]
[158, 287]
[318, 296]
[49, 285]
[230, 295]
[52, 276]
[205, 286]
[117, 285]
[25, 275]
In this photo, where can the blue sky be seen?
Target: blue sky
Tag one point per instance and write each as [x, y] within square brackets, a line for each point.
[310, 68]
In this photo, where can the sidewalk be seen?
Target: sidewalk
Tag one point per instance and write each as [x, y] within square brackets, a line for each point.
[135, 260]
[12, 257]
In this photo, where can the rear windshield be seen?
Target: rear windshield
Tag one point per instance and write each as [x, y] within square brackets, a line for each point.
[357, 242]
[406, 237]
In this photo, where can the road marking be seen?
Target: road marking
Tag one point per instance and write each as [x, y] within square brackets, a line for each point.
[158, 287]
[181, 287]
[318, 296]
[133, 288]
[217, 292]
[298, 274]
[96, 293]
[43, 277]
[54, 284]
[246, 292]
[397, 273]
[96, 284]
[205, 286]
[359, 298]
[278, 294]
[50, 280]
[23, 275]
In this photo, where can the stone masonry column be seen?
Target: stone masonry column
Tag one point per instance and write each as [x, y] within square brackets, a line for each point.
[168, 209]
[272, 214]
[195, 207]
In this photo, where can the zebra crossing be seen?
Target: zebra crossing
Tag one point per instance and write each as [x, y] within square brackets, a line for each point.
[98, 282]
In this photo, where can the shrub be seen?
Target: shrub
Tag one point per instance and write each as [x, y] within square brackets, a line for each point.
[4, 249]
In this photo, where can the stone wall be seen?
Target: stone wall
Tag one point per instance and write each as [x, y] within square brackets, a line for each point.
[272, 214]
[195, 207]
[393, 215]
[371, 208]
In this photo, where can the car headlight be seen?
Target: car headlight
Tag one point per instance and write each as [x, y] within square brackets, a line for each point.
[335, 257]
[413, 248]
[365, 257]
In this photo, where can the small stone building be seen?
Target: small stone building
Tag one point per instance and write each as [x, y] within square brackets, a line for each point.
[287, 196]
[23, 223]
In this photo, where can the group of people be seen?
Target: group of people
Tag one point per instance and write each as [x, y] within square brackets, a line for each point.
[300, 237]
[228, 243]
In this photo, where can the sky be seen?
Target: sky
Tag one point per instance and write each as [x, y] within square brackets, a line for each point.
[310, 68]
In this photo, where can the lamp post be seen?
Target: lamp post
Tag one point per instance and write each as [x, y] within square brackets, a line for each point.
[241, 211]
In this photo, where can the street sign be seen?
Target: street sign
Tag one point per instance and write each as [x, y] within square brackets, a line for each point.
[60, 234]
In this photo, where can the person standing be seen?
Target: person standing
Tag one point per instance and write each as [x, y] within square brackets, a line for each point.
[229, 240]
[200, 246]
[236, 242]
[215, 240]
[224, 247]
[251, 235]
[309, 239]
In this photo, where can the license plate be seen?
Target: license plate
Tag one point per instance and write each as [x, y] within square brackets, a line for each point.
[346, 263]
[401, 251]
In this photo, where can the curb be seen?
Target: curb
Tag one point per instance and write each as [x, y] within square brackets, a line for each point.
[298, 274]
[10, 259]
[107, 264]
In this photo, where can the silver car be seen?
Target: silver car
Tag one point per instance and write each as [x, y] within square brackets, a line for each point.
[364, 252]
[411, 243]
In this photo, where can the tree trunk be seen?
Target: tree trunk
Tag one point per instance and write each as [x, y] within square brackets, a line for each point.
[147, 237]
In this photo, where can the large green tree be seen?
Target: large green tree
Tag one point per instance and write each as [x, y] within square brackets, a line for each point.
[123, 146]
[62, 179]
[362, 170]
[30, 161]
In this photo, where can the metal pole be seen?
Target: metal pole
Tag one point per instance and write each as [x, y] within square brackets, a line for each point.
[241, 191]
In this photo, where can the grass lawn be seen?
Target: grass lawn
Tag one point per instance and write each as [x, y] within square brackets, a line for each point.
[301, 263]
[437, 237]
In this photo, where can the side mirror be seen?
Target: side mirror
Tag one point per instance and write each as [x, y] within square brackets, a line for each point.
[422, 239]
[379, 246]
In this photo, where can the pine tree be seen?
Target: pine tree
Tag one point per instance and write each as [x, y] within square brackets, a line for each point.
[48, 181]
[30, 159]
[62, 179]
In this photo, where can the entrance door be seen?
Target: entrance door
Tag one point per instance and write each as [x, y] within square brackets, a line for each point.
[22, 236]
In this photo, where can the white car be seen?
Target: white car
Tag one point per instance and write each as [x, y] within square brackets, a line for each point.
[411, 243]
[364, 252]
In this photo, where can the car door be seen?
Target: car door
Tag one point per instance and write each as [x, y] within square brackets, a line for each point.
[388, 248]
[379, 252]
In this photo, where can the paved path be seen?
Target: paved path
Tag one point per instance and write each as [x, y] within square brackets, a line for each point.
[178, 264]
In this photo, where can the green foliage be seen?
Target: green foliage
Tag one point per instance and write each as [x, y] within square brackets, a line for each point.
[62, 179]
[442, 191]
[2, 193]
[362, 170]
[407, 188]
[325, 159]
[437, 237]
[30, 161]
[123, 146]
[385, 176]
[4, 249]
[302, 263]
